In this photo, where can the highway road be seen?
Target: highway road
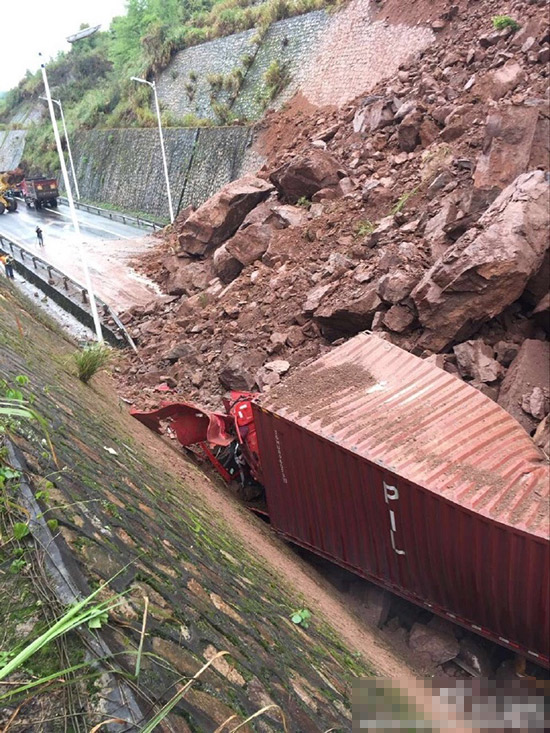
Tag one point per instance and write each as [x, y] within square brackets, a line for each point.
[109, 246]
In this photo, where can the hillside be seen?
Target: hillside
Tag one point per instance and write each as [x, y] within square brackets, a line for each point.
[93, 79]
[419, 210]
[113, 504]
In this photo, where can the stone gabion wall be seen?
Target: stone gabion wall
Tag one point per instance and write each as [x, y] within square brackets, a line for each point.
[216, 57]
[124, 167]
[290, 42]
[12, 143]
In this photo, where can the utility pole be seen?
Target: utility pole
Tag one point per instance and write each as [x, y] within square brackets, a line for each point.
[74, 218]
[58, 102]
[154, 88]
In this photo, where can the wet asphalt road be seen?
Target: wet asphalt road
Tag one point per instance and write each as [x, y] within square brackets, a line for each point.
[109, 247]
[57, 227]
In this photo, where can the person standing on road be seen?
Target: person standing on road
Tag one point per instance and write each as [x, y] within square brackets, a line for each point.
[8, 265]
[39, 236]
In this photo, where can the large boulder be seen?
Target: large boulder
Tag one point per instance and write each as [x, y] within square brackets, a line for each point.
[220, 217]
[475, 359]
[529, 373]
[304, 175]
[347, 315]
[226, 267]
[509, 137]
[484, 272]
[186, 276]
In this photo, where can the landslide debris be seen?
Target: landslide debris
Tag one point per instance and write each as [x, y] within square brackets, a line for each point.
[419, 211]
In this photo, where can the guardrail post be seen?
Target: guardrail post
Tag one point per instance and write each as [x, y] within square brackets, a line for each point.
[34, 262]
[50, 276]
[22, 253]
[84, 297]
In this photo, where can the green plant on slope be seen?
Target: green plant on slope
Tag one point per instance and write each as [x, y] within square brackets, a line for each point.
[90, 360]
[301, 617]
[364, 227]
[500, 22]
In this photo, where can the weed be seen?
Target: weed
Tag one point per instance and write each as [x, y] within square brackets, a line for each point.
[365, 227]
[301, 617]
[400, 205]
[500, 22]
[276, 78]
[90, 360]
[304, 202]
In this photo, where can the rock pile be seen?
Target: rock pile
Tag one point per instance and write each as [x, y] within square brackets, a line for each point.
[420, 211]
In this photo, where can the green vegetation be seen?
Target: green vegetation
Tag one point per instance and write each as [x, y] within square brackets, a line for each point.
[500, 22]
[364, 227]
[90, 360]
[94, 78]
[301, 617]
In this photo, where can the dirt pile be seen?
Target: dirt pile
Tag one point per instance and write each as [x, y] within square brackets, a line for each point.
[419, 211]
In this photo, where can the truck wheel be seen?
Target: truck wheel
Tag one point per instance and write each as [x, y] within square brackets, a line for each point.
[28, 202]
[2, 207]
[53, 203]
[12, 204]
[38, 205]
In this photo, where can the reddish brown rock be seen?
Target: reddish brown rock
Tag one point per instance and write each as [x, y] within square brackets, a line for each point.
[375, 114]
[475, 359]
[238, 373]
[509, 136]
[408, 133]
[220, 217]
[504, 80]
[186, 276]
[530, 369]
[398, 318]
[484, 272]
[396, 285]
[541, 437]
[349, 315]
[304, 175]
[226, 266]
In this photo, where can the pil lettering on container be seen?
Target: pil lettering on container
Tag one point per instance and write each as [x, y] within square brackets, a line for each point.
[8, 261]
[39, 236]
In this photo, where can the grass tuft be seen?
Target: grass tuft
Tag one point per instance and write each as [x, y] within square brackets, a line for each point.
[90, 360]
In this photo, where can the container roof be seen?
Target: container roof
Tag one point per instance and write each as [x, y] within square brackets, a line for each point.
[411, 417]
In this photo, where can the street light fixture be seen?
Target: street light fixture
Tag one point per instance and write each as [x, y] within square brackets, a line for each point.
[57, 101]
[154, 88]
[87, 279]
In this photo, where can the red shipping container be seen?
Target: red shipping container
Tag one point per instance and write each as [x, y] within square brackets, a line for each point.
[402, 473]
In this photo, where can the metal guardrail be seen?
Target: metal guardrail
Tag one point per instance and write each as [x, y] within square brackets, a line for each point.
[67, 292]
[116, 216]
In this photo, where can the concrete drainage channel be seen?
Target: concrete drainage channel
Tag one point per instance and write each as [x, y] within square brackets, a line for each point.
[67, 293]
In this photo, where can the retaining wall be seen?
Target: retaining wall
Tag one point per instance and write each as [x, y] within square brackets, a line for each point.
[124, 167]
[290, 42]
[12, 143]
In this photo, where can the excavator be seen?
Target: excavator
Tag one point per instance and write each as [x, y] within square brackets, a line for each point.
[8, 181]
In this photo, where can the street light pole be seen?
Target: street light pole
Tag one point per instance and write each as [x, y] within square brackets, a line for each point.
[58, 102]
[154, 88]
[87, 279]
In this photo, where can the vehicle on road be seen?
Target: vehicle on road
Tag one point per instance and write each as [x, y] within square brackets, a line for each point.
[398, 471]
[9, 180]
[39, 192]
